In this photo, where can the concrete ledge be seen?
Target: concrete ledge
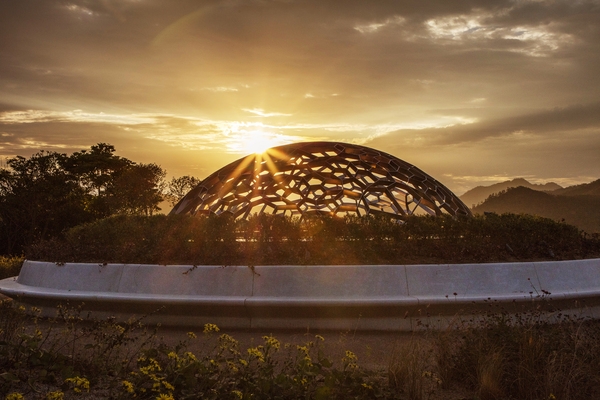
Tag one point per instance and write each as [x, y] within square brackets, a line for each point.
[370, 297]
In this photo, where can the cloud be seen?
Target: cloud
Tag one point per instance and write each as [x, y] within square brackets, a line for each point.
[262, 113]
[220, 89]
[36, 116]
[281, 49]
[437, 77]
[542, 123]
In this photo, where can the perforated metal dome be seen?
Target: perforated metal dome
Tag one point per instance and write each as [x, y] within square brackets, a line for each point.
[328, 178]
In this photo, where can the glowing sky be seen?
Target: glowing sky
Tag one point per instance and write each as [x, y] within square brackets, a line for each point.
[472, 92]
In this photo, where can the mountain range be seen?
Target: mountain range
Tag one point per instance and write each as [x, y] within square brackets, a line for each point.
[577, 205]
[478, 194]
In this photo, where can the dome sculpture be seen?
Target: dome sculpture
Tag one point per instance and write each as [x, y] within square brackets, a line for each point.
[323, 178]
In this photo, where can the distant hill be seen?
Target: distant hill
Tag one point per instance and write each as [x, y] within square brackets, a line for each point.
[589, 189]
[582, 210]
[478, 194]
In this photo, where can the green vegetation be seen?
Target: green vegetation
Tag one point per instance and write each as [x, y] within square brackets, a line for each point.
[268, 239]
[496, 357]
[10, 266]
[42, 196]
[177, 188]
[522, 357]
[63, 355]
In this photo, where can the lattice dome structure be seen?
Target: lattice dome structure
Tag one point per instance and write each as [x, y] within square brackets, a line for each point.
[326, 178]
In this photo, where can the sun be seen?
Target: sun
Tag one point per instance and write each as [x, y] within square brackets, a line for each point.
[258, 142]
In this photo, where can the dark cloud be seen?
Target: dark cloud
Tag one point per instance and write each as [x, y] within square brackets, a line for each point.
[544, 123]
[515, 66]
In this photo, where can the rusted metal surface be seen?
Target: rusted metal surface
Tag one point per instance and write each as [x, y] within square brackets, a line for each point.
[324, 178]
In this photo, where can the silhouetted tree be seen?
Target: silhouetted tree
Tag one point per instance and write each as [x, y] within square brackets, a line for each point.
[38, 199]
[177, 188]
[137, 190]
[42, 196]
[97, 171]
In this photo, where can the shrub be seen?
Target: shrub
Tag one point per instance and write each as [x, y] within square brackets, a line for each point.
[268, 239]
[10, 266]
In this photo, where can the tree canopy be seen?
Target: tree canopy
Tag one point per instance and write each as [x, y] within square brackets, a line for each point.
[177, 188]
[42, 196]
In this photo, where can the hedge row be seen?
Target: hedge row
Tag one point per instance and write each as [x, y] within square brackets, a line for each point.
[276, 240]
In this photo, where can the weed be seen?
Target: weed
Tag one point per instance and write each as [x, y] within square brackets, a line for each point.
[522, 356]
[410, 370]
[10, 266]
[496, 356]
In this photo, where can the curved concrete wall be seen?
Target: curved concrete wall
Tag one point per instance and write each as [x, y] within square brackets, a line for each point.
[372, 297]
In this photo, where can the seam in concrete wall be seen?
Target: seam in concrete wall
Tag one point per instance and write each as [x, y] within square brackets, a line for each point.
[285, 308]
[406, 280]
[120, 277]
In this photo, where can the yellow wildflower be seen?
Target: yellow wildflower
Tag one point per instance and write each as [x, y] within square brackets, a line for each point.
[57, 395]
[303, 349]
[350, 360]
[237, 394]
[227, 342]
[210, 328]
[128, 386]
[272, 342]
[232, 366]
[254, 351]
[79, 384]
[190, 356]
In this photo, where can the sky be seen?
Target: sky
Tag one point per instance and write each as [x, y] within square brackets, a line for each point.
[471, 92]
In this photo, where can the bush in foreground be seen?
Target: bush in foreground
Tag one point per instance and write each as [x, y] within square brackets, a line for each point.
[496, 357]
[64, 358]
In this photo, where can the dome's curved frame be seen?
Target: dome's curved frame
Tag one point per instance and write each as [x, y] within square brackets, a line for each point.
[327, 178]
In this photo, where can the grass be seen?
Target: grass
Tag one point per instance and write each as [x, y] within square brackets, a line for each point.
[494, 357]
[503, 356]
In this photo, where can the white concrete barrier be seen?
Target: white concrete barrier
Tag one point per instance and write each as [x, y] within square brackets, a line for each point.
[357, 297]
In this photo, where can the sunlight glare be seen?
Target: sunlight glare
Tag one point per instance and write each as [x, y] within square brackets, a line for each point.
[258, 142]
